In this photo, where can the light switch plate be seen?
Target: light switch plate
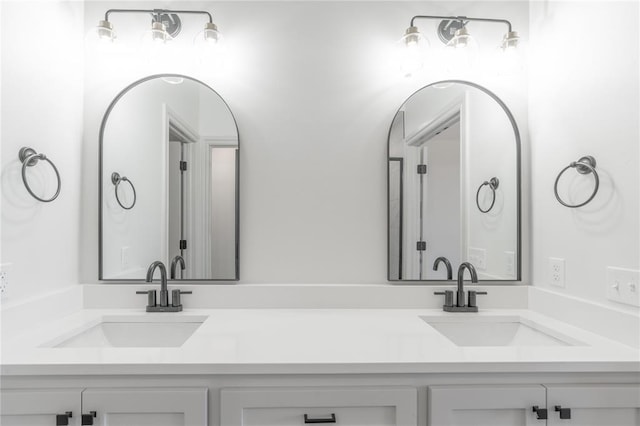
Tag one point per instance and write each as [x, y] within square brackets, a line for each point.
[623, 285]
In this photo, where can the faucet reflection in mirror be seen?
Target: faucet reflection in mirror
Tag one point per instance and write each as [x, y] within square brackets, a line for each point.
[460, 47]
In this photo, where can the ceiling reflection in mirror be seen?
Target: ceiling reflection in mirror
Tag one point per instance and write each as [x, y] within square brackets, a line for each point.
[453, 185]
[169, 182]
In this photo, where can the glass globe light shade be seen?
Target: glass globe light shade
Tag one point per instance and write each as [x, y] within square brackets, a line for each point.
[156, 36]
[462, 50]
[208, 37]
[510, 41]
[510, 57]
[102, 33]
[413, 48]
[208, 41]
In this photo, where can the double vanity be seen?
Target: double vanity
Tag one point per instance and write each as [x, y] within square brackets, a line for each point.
[288, 366]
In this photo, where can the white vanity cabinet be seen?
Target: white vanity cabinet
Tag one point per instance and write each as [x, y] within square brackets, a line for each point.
[105, 407]
[40, 407]
[594, 405]
[485, 405]
[300, 406]
[513, 405]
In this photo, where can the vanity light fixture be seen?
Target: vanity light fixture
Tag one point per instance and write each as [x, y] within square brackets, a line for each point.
[453, 32]
[165, 26]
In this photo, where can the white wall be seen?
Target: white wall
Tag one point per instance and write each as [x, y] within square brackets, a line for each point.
[314, 88]
[42, 84]
[584, 90]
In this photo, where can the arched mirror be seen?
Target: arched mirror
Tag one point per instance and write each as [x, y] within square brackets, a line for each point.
[169, 182]
[453, 184]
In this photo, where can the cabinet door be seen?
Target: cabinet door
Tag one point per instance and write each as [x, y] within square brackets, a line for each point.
[40, 407]
[595, 405]
[485, 405]
[338, 406]
[147, 407]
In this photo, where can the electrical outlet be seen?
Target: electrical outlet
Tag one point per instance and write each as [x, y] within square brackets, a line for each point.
[478, 258]
[623, 285]
[556, 271]
[510, 263]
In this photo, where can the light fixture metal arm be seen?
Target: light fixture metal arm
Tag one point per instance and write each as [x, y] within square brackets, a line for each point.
[157, 12]
[461, 18]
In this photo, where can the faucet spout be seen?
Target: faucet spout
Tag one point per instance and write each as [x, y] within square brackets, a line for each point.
[164, 293]
[446, 262]
[474, 279]
[174, 264]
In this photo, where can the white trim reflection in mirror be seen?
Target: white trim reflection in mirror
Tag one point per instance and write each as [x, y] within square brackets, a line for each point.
[178, 142]
[447, 143]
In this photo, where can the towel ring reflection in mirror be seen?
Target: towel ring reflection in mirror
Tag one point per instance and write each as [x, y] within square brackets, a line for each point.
[493, 185]
[116, 179]
[585, 165]
[29, 158]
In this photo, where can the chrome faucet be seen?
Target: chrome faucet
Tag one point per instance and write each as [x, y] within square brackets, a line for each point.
[460, 305]
[474, 280]
[164, 293]
[163, 306]
[174, 263]
[446, 262]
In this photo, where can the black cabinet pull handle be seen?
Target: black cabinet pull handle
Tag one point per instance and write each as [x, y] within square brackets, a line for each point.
[63, 419]
[331, 419]
[540, 412]
[87, 419]
[565, 413]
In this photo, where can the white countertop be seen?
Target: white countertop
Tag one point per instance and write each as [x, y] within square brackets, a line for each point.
[310, 341]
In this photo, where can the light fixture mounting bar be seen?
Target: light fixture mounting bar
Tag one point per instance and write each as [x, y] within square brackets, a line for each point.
[156, 12]
[461, 18]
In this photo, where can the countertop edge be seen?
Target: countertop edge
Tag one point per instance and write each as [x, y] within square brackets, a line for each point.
[319, 368]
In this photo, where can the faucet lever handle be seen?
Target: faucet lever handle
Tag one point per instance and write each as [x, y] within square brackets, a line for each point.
[151, 296]
[448, 297]
[472, 297]
[175, 296]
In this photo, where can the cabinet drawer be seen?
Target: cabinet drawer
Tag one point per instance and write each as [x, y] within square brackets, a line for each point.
[331, 406]
[352, 416]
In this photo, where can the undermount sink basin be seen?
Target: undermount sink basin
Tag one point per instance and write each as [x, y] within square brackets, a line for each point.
[132, 332]
[497, 331]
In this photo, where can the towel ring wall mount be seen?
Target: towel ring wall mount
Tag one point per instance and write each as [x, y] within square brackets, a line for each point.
[116, 179]
[493, 184]
[29, 158]
[585, 165]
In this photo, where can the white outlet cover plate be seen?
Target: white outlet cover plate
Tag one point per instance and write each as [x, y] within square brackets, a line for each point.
[556, 272]
[623, 285]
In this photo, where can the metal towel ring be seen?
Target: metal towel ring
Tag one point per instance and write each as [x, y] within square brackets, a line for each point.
[29, 158]
[116, 179]
[585, 165]
[493, 184]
